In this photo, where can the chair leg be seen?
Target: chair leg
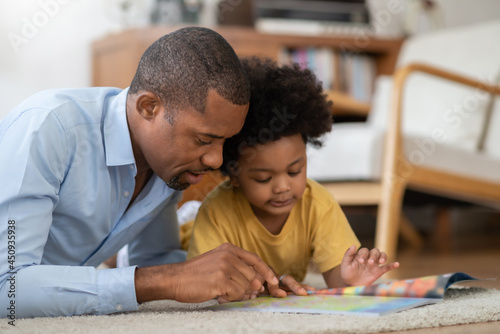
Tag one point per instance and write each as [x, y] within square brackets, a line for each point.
[388, 218]
[409, 233]
[442, 235]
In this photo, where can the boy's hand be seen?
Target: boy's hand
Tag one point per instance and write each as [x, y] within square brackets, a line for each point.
[288, 284]
[363, 267]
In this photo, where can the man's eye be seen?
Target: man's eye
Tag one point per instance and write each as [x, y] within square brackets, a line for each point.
[202, 142]
[263, 181]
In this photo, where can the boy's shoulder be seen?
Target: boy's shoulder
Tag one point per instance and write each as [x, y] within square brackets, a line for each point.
[220, 195]
[316, 194]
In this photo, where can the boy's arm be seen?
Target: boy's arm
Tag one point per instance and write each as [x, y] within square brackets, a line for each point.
[333, 279]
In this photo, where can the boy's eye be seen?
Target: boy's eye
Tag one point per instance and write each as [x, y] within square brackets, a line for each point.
[294, 173]
[263, 180]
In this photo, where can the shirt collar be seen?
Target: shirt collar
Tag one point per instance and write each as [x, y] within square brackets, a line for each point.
[116, 132]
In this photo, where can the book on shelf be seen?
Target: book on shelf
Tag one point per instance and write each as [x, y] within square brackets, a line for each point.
[319, 60]
[355, 76]
[371, 300]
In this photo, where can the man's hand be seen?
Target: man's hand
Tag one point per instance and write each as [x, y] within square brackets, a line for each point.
[364, 266]
[226, 272]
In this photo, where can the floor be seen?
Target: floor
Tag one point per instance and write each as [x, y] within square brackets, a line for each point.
[475, 251]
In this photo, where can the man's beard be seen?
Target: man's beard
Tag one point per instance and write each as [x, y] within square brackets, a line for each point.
[175, 184]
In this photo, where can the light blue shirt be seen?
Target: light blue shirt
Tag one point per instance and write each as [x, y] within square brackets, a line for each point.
[66, 179]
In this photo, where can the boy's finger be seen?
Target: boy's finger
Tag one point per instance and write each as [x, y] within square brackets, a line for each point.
[350, 254]
[374, 256]
[389, 267]
[362, 255]
[383, 258]
[293, 285]
[276, 291]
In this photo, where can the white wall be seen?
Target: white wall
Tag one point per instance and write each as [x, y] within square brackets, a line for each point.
[463, 12]
[391, 17]
[46, 43]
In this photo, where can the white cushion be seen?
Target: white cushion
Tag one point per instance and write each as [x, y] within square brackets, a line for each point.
[452, 159]
[492, 140]
[441, 107]
[353, 151]
[431, 104]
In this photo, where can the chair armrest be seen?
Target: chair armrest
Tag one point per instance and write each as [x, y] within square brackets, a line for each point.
[393, 151]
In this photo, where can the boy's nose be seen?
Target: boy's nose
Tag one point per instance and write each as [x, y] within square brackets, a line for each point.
[281, 186]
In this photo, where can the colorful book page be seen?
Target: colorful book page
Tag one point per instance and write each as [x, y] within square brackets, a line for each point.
[422, 287]
[329, 304]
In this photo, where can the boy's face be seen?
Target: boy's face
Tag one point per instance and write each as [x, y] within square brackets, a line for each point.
[273, 177]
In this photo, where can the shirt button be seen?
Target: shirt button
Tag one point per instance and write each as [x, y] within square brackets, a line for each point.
[126, 194]
[119, 307]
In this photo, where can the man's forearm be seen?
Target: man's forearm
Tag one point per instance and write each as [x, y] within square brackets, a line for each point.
[43, 290]
[155, 283]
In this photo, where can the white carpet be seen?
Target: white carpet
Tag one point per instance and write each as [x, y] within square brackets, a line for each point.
[461, 306]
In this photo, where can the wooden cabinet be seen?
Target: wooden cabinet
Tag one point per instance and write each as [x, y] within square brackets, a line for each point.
[115, 57]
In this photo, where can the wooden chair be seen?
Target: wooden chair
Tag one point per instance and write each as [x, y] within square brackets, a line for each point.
[399, 173]
[371, 163]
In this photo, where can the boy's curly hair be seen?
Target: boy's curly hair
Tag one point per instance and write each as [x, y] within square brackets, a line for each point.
[284, 101]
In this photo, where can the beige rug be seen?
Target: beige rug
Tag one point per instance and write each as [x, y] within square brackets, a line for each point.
[461, 306]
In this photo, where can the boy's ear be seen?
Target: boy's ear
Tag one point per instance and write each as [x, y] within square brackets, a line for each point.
[234, 180]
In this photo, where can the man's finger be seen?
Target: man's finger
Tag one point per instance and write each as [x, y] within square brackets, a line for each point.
[257, 264]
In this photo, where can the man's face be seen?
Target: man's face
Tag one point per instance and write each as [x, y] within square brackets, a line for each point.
[182, 152]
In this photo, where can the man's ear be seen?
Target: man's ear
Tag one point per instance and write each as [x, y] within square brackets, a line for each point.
[148, 105]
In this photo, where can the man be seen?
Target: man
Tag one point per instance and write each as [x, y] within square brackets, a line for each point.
[85, 171]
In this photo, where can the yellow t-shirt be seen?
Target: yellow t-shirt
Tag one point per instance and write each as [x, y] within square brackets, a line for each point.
[316, 228]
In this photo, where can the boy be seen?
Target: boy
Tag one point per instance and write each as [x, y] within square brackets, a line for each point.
[268, 206]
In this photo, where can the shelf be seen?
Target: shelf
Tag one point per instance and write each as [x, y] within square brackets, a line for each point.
[343, 104]
[115, 57]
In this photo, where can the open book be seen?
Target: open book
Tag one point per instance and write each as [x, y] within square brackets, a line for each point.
[375, 300]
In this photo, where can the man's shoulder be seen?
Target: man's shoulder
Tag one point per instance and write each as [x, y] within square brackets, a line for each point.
[55, 98]
[70, 107]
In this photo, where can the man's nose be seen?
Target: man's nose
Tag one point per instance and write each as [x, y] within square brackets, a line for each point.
[213, 158]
